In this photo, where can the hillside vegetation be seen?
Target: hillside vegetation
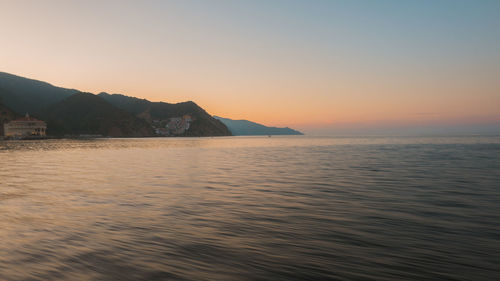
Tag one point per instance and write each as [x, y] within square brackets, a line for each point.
[69, 112]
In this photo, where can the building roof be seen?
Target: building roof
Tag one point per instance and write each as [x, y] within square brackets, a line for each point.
[27, 117]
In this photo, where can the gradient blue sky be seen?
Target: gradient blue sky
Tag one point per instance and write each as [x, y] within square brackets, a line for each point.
[313, 65]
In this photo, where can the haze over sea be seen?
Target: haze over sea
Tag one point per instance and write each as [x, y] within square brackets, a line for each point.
[251, 208]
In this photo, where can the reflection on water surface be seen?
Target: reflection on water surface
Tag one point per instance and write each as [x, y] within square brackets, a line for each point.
[250, 208]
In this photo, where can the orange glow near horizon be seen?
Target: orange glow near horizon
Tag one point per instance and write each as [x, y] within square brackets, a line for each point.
[308, 66]
[353, 105]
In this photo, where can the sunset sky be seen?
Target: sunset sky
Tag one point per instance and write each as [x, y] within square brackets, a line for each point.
[311, 65]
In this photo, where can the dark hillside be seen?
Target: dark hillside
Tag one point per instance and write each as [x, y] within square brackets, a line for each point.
[27, 95]
[71, 112]
[85, 113]
[5, 116]
[203, 124]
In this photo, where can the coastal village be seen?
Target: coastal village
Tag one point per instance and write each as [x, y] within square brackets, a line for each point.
[172, 126]
[28, 127]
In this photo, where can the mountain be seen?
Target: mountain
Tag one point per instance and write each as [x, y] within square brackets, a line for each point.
[27, 95]
[5, 116]
[247, 128]
[162, 115]
[48, 102]
[85, 113]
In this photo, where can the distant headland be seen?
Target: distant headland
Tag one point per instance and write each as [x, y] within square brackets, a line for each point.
[249, 128]
[72, 113]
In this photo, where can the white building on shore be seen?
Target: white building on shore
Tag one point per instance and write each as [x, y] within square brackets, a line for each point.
[25, 127]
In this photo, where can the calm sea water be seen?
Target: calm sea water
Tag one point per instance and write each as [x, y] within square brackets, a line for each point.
[251, 208]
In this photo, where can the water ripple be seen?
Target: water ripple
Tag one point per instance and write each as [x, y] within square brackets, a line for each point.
[285, 208]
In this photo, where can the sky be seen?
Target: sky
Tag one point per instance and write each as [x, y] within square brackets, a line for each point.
[317, 66]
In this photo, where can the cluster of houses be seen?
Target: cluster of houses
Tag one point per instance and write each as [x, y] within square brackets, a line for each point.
[29, 127]
[25, 127]
[172, 126]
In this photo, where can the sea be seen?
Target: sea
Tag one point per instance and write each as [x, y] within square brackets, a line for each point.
[251, 208]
